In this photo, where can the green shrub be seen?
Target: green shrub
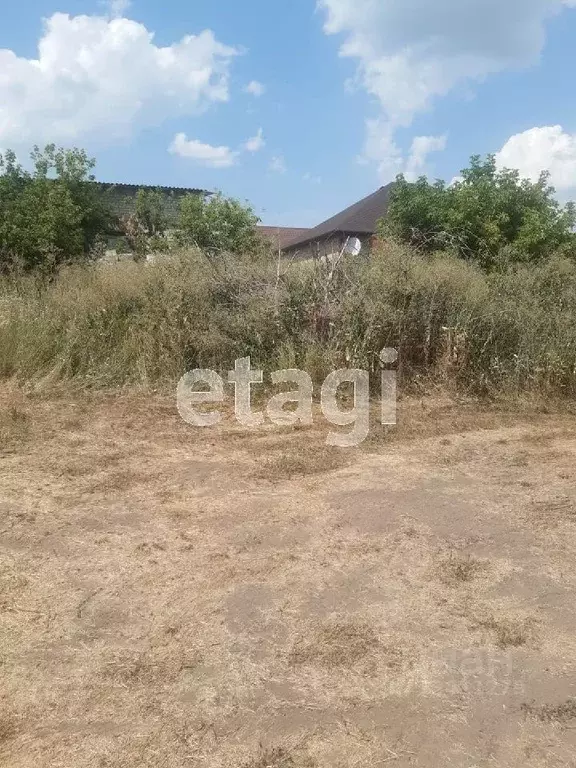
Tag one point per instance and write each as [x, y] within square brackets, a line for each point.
[50, 216]
[218, 224]
[490, 216]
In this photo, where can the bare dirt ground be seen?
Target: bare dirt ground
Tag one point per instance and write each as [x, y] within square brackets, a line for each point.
[173, 597]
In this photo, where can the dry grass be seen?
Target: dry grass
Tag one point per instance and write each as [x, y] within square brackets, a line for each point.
[457, 569]
[162, 604]
[8, 727]
[338, 644]
[301, 460]
[119, 480]
[509, 633]
[11, 584]
[149, 668]
[14, 428]
[553, 512]
[146, 324]
[552, 713]
[278, 757]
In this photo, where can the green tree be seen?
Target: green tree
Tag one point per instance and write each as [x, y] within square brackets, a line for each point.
[150, 211]
[144, 229]
[52, 214]
[218, 224]
[491, 216]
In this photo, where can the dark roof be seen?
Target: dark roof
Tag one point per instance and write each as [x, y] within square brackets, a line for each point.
[132, 189]
[281, 236]
[359, 219]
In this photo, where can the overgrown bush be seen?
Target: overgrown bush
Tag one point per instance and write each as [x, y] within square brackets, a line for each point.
[218, 224]
[144, 324]
[144, 230]
[489, 216]
[54, 215]
[134, 322]
[51, 215]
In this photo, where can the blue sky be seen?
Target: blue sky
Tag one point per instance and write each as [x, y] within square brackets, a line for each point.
[344, 94]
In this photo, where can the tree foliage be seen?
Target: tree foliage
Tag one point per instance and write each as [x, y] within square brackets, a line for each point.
[51, 214]
[218, 224]
[144, 229]
[490, 216]
[150, 211]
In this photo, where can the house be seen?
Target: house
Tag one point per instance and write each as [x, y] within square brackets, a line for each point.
[120, 199]
[279, 237]
[359, 220]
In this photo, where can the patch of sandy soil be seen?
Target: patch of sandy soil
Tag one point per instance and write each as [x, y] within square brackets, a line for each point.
[173, 597]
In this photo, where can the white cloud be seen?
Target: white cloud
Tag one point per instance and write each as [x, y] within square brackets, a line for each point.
[422, 146]
[203, 154]
[410, 52]
[118, 8]
[548, 148]
[278, 164]
[382, 149]
[312, 179]
[255, 88]
[214, 157]
[104, 78]
[256, 143]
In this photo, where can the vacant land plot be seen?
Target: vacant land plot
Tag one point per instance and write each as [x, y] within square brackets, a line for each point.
[174, 597]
